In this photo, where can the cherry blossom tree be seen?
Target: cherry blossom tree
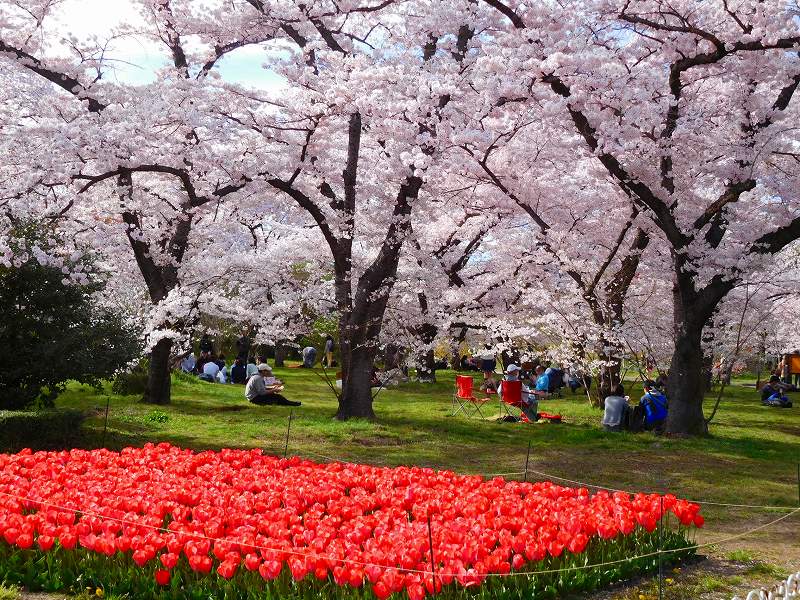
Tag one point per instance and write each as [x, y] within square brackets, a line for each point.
[686, 106]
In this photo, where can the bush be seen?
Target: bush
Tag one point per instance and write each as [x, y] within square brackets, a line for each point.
[53, 329]
[131, 383]
[45, 429]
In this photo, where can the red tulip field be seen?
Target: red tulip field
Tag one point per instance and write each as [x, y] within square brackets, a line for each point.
[164, 522]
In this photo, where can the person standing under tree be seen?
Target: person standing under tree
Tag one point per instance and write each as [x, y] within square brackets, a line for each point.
[243, 345]
[329, 345]
[206, 345]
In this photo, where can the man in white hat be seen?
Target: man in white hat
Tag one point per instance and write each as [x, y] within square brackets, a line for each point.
[263, 388]
[530, 403]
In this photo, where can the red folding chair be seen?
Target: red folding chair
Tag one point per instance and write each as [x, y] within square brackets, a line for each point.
[511, 398]
[463, 399]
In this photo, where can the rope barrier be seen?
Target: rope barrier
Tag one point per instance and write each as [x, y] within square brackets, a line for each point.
[703, 502]
[418, 571]
[486, 475]
[587, 485]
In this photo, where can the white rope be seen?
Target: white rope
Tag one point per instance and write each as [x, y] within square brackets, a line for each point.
[705, 502]
[367, 564]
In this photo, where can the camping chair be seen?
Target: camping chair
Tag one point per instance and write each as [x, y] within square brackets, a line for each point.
[511, 399]
[463, 399]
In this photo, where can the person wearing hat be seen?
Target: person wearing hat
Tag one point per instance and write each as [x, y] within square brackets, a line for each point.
[530, 403]
[655, 407]
[263, 388]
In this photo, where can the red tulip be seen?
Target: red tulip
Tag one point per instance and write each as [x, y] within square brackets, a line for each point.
[25, 541]
[270, 569]
[381, 590]
[68, 541]
[252, 562]
[227, 569]
[169, 559]
[162, 577]
[45, 542]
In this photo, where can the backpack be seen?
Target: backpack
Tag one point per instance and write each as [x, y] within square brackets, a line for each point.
[635, 419]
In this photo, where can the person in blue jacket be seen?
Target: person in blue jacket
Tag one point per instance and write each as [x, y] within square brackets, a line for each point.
[655, 407]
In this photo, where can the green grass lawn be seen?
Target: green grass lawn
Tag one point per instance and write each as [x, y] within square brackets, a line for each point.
[750, 457]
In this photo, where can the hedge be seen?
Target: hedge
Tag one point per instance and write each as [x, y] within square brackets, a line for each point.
[45, 429]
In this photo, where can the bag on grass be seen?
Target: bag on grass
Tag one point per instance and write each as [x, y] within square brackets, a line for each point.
[508, 419]
[635, 419]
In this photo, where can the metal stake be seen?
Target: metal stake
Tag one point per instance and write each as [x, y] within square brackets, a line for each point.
[433, 564]
[105, 423]
[660, 555]
[527, 458]
[288, 427]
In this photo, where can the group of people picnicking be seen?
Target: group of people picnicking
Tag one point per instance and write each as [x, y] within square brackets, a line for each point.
[252, 371]
[650, 414]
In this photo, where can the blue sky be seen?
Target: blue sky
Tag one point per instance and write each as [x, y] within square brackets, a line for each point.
[136, 60]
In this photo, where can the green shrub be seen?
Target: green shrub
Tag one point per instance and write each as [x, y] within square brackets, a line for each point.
[45, 429]
[131, 383]
[53, 328]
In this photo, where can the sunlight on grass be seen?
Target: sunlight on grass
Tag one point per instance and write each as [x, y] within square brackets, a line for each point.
[9, 592]
[747, 459]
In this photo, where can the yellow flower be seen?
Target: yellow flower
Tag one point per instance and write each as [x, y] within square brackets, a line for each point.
[642, 597]
[669, 581]
[99, 592]
[676, 570]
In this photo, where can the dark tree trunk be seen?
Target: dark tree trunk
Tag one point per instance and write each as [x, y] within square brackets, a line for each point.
[426, 367]
[158, 375]
[426, 361]
[357, 368]
[391, 357]
[686, 384]
[610, 373]
[280, 354]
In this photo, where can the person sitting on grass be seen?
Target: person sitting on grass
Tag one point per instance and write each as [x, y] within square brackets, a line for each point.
[239, 371]
[542, 382]
[309, 357]
[252, 365]
[772, 394]
[263, 388]
[489, 384]
[210, 371]
[615, 411]
[530, 403]
[655, 407]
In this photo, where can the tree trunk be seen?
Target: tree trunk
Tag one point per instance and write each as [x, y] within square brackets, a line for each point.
[426, 367]
[425, 360]
[610, 373]
[391, 357]
[280, 354]
[357, 367]
[158, 375]
[686, 384]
